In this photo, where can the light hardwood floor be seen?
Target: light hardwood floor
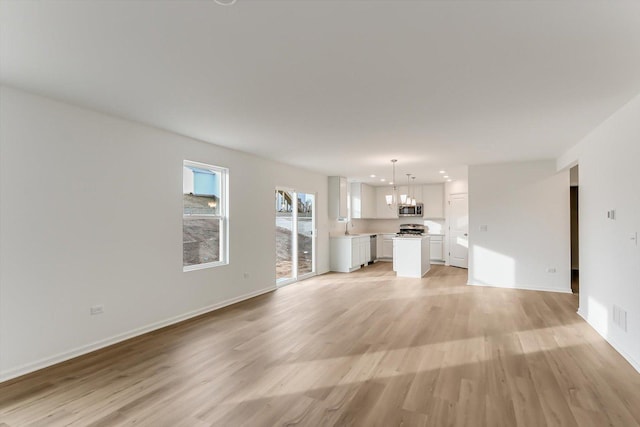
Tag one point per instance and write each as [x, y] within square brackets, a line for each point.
[364, 349]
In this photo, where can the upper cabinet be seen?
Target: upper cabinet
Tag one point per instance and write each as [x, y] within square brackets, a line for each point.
[363, 201]
[338, 197]
[433, 199]
[382, 209]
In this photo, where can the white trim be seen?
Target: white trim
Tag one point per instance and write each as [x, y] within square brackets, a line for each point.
[222, 216]
[525, 288]
[307, 276]
[203, 216]
[195, 267]
[616, 346]
[285, 281]
[97, 345]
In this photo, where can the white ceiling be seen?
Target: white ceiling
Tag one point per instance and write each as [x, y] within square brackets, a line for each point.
[339, 87]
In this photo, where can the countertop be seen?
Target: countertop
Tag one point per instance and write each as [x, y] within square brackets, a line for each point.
[354, 235]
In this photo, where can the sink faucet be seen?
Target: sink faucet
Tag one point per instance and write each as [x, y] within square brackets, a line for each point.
[346, 228]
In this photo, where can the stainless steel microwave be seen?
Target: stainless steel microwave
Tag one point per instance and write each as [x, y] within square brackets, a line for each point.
[410, 210]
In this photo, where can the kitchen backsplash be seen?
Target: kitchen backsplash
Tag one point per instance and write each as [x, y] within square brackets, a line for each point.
[355, 226]
[435, 226]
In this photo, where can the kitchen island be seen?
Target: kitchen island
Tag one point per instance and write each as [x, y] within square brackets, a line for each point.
[411, 256]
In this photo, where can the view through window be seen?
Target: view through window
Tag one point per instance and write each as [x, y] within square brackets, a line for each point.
[204, 215]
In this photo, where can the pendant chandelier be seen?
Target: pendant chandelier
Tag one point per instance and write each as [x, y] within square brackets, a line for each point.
[392, 198]
[405, 199]
[413, 198]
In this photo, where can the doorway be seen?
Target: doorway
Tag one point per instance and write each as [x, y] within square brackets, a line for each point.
[295, 235]
[575, 230]
[459, 230]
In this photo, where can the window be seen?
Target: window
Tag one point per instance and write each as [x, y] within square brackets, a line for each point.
[204, 218]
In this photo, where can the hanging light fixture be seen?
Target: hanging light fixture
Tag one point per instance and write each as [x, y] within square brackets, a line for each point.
[392, 198]
[413, 199]
[405, 199]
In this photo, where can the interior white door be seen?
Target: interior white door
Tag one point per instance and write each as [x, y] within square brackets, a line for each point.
[459, 230]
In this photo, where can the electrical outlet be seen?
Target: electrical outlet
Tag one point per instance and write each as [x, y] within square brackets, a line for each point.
[484, 228]
[245, 275]
[551, 270]
[96, 309]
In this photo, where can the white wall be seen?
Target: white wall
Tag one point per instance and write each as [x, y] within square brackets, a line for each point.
[525, 207]
[459, 186]
[609, 259]
[91, 213]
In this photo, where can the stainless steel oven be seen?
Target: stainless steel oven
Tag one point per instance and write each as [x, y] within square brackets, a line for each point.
[410, 210]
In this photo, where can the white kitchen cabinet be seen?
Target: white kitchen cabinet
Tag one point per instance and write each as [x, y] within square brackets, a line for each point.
[436, 248]
[338, 197]
[365, 249]
[387, 246]
[411, 256]
[354, 262]
[395, 256]
[363, 200]
[433, 199]
[382, 210]
[349, 253]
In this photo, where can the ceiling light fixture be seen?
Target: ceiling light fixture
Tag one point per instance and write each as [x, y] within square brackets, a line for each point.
[446, 176]
[443, 171]
[392, 198]
[225, 2]
[382, 180]
[372, 176]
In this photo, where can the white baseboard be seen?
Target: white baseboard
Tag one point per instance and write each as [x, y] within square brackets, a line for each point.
[616, 345]
[79, 351]
[525, 288]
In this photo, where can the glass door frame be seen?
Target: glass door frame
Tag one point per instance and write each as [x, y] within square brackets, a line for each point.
[294, 239]
[313, 237]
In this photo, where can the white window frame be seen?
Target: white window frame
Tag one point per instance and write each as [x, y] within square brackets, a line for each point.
[223, 216]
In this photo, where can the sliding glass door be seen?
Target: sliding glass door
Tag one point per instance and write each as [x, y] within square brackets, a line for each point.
[284, 235]
[295, 235]
[306, 240]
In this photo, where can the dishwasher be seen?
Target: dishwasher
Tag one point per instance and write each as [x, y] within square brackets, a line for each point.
[373, 242]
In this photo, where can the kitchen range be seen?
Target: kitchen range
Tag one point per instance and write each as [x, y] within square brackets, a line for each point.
[408, 230]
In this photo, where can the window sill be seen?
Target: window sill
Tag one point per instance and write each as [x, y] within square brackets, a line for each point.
[203, 266]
